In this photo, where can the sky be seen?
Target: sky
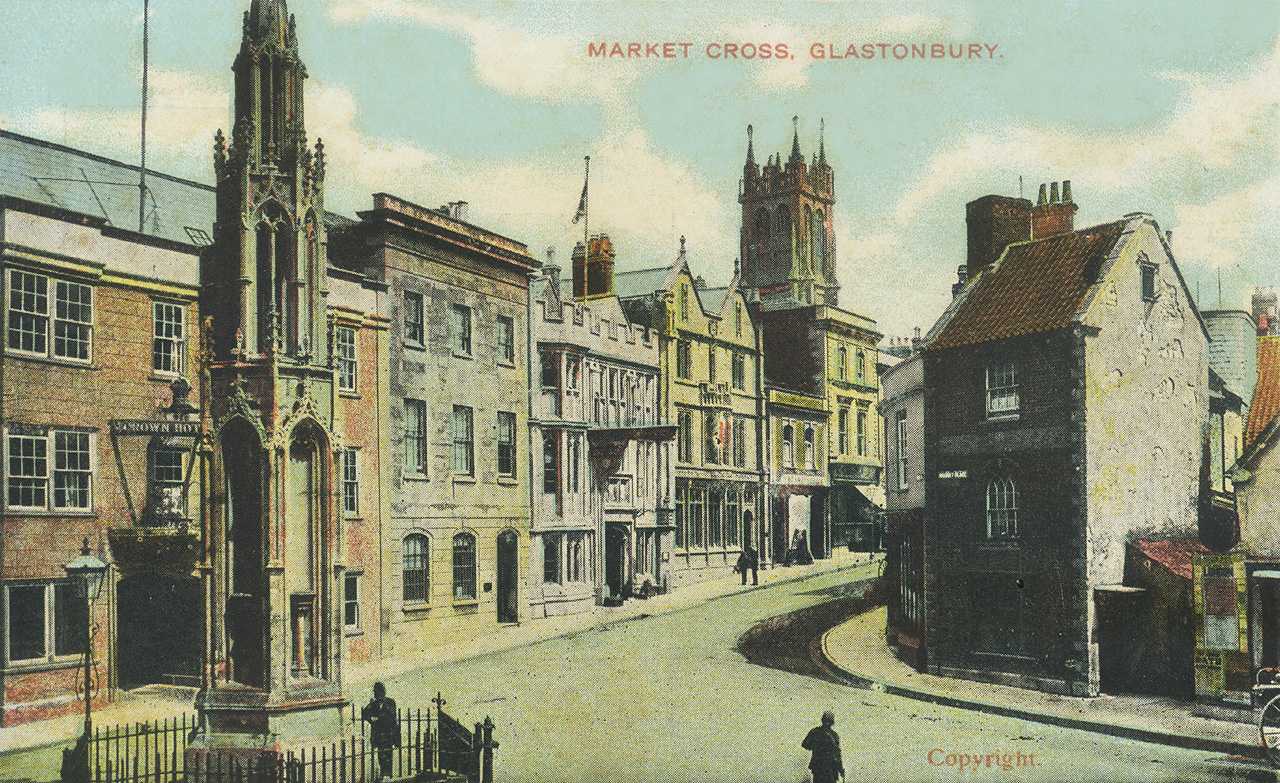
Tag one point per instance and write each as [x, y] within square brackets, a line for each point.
[1169, 108]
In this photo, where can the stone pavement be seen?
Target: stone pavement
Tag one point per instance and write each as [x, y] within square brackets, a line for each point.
[158, 702]
[857, 650]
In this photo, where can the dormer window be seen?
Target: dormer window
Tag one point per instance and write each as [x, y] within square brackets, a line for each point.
[1148, 282]
[1002, 389]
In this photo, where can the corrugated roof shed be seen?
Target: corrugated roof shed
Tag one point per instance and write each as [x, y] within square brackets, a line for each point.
[1266, 393]
[47, 173]
[1035, 287]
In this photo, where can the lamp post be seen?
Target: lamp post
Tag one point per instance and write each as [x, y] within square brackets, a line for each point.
[87, 572]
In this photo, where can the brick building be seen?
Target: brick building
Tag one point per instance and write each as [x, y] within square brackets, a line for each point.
[1066, 398]
[811, 344]
[710, 387]
[602, 524]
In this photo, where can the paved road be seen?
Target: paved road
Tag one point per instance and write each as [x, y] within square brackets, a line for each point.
[669, 698]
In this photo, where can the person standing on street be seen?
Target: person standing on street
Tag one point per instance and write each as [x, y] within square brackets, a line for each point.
[384, 727]
[753, 562]
[823, 742]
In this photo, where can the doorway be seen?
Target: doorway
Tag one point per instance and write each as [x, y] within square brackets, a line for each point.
[159, 626]
[615, 560]
[508, 577]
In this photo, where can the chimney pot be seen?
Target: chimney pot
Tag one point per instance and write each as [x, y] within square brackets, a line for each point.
[1041, 200]
[1066, 191]
[1053, 193]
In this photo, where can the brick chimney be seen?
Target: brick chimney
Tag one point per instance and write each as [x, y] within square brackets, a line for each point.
[593, 267]
[600, 257]
[994, 223]
[1055, 213]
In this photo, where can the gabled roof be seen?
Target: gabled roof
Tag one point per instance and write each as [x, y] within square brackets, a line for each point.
[46, 173]
[1266, 393]
[714, 298]
[1034, 287]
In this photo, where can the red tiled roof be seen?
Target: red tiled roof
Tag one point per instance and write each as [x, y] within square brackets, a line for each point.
[1266, 394]
[1035, 287]
[1173, 554]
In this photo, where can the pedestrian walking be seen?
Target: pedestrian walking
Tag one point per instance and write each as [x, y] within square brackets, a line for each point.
[752, 562]
[384, 727]
[823, 742]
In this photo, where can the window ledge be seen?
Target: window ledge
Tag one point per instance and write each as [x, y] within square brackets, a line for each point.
[38, 359]
[44, 512]
[164, 377]
[352, 633]
[348, 394]
[461, 355]
[414, 477]
[507, 364]
[414, 344]
[353, 518]
[463, 603]
[995, 417]
[32, 667]
[415, 607]
[464, 479]
[508, 481]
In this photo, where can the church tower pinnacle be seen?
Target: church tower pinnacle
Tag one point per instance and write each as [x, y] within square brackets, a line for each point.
[787, 241]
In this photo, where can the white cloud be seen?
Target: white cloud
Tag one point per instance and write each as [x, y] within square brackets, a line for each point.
[1208, 172]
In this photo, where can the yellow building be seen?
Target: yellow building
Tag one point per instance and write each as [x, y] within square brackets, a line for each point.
[710, 387]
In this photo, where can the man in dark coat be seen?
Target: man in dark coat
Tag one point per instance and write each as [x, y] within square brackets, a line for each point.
[384, 727]
[823, 742]
[753, 562]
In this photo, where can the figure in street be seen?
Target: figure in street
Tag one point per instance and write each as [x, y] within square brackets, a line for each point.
[823, 742]
[384, 727]
[749, 561]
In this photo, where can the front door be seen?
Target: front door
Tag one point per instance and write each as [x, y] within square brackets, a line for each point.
[508, 578]
[615, 559]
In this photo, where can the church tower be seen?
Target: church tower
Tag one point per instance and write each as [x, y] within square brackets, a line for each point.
[274, 558]
[787, 245]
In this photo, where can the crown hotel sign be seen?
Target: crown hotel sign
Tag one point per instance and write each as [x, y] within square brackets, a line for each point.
[152, 427]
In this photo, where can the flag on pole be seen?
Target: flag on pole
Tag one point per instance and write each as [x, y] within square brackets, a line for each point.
[582, 200]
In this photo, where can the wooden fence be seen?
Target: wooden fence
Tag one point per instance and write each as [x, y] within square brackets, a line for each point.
[430, 741]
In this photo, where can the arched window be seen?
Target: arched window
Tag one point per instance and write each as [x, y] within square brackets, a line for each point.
[416, 568]
[762, 227]
[788, 446]
[818, 239]
[808, 224]
[809, 450]
[684, 303]
[842, 364]
[1002, 509]
[782, 231]
[464, 567]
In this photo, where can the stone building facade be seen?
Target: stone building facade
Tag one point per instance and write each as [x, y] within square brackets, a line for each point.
[798, 435]
[602, 455]
[710, 387]
[457, 538]
[1066, 398]
[811, 344]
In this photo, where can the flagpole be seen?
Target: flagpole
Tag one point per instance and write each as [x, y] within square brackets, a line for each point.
[586, 207]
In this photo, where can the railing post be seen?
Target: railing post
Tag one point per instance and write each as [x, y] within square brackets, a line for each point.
[486, 772]
[477, 748]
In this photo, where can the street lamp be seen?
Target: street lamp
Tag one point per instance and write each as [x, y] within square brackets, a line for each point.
[86, 573]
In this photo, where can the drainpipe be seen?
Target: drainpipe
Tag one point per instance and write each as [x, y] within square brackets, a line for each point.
[528, 424]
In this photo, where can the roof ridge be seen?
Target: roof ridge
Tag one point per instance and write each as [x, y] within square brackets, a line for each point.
[102, 158]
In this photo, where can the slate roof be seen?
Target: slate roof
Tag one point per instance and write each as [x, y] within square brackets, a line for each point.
[47, 173]
[713, 298]
[1174, 554]
[640, 282]
[1035, 287]
[1266, 393]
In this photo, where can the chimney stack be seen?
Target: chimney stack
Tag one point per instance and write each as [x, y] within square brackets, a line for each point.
[962, 277]
[994, 223]
[600, 257]
[1057, 215]
[579, 263]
